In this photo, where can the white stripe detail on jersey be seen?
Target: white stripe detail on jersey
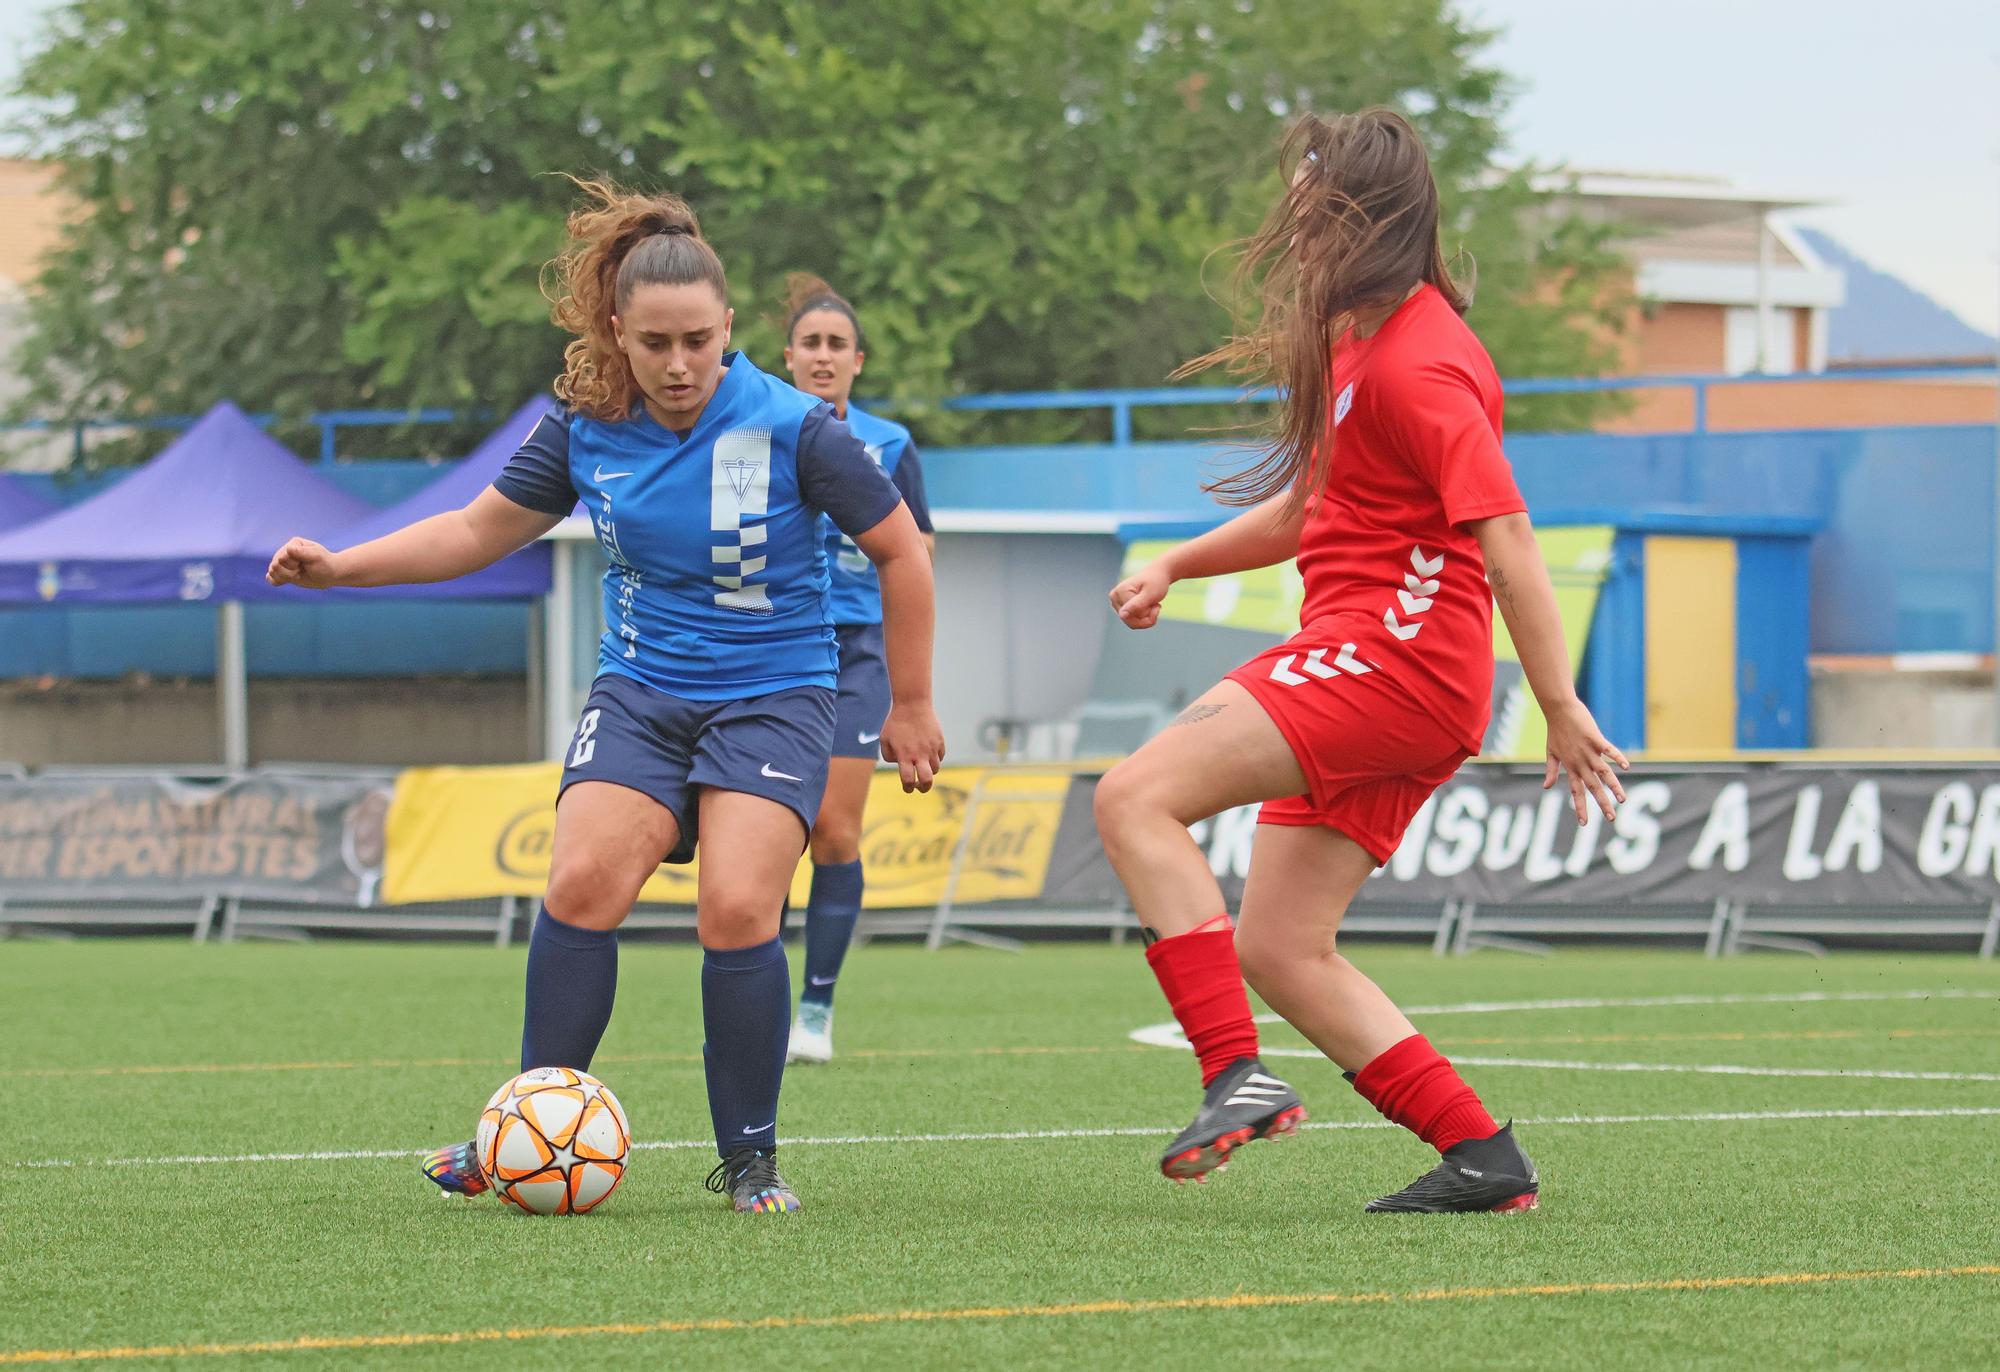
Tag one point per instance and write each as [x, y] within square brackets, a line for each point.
[740, 489]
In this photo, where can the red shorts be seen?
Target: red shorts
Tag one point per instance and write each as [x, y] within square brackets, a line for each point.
[1371, 754]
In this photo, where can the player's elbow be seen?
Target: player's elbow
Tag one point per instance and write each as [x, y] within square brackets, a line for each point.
[1502, 528]
[1501, 538]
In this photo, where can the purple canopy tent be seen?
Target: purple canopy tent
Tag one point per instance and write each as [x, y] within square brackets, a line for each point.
[19, 505]
[198, 523]
[520, 576]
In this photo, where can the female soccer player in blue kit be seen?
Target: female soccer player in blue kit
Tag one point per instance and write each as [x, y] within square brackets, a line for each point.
[824, 353]
[713, 709]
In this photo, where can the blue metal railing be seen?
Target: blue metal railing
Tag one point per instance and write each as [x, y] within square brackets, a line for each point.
[329, 423]
[1121, 403]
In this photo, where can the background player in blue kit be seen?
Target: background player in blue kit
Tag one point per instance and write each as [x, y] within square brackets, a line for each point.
[713, 709]
[824, 353]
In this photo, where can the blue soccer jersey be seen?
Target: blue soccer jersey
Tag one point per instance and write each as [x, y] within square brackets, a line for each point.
[857, 592]
[855, 585]
[717, 588]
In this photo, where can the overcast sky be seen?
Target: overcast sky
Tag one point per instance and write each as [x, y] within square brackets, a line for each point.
[1889, 110]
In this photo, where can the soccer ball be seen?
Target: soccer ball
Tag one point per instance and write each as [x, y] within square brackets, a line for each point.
[554, 1141]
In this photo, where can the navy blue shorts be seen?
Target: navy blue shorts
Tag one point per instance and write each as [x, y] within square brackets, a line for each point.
[864, 692]
[775, 746]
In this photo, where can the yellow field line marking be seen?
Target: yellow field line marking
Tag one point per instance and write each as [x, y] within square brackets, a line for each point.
[1238, 1301]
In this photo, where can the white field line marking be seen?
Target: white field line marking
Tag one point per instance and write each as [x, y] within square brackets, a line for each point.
[1492, 1007]
[1717, 1069]
[1047, 1135]
[1168, 1034]
[1160, 1036]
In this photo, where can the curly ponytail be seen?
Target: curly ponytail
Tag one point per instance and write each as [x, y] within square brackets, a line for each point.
[619, 240]
[805, 293]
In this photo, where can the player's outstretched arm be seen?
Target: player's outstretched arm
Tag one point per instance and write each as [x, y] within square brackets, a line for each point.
[1578, 750]
[444, 546]
[1259, 537]
[912, 738]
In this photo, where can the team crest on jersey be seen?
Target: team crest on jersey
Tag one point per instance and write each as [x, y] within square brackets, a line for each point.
[1343, 403]
[740, 471]
[742, 460]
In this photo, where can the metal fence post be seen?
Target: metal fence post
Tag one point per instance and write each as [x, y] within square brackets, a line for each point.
[1447, 922]
[1718, 928]
[204, 920]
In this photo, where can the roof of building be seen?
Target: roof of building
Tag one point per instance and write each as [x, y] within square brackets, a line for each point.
[32, 214]
[1884, 318]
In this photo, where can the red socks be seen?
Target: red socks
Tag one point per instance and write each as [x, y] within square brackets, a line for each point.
[1413, 1085]
[1204, 986]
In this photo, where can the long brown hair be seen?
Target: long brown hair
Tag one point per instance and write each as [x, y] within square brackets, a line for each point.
[805, 293]
[1354, 231]
[619, 240]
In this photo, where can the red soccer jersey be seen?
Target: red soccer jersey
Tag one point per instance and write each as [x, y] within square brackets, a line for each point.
[1416, 425]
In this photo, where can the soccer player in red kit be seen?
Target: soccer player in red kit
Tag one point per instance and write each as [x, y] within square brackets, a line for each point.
[1386, 481]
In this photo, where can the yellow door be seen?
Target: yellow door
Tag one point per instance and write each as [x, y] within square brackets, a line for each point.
[1690, 643]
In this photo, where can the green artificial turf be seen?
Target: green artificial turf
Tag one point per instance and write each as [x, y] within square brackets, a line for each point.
[350, 1048]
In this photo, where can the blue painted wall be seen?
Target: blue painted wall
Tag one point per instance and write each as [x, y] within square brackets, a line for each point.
[1905, 562]
[1613, 671]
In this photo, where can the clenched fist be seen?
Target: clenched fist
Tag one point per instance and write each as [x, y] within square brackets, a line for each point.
[1137, 598]
[302, 562]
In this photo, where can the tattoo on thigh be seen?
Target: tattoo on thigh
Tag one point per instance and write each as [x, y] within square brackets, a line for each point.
[1195, 714]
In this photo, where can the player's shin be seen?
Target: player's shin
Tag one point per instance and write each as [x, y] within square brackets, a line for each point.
[746, 1011]
[1414, 1085]
[1198, 973]
[572, 982]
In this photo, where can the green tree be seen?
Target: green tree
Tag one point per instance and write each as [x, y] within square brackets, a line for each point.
[304, 204]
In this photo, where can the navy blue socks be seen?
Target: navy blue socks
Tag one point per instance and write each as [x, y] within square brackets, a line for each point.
[746, 1012]
[572, 980]
[830, 917]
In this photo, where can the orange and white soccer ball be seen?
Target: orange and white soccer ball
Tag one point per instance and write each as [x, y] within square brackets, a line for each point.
[554, 1141]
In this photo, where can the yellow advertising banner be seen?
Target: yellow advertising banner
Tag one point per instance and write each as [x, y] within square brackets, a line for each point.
[470, 833]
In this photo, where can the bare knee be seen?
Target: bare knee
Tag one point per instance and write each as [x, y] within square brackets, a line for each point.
[1121, 803]
[1266, 955]
[737, 915]
[835, 840]
[588, 891]
[1257, 953]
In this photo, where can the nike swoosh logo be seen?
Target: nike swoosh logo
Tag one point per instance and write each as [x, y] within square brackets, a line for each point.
[776, 775]
[760, 1128]
[869, 738]
[601, 476]
[822, 981]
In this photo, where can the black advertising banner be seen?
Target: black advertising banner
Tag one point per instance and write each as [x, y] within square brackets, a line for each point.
[269, 836]
[1868, 838]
